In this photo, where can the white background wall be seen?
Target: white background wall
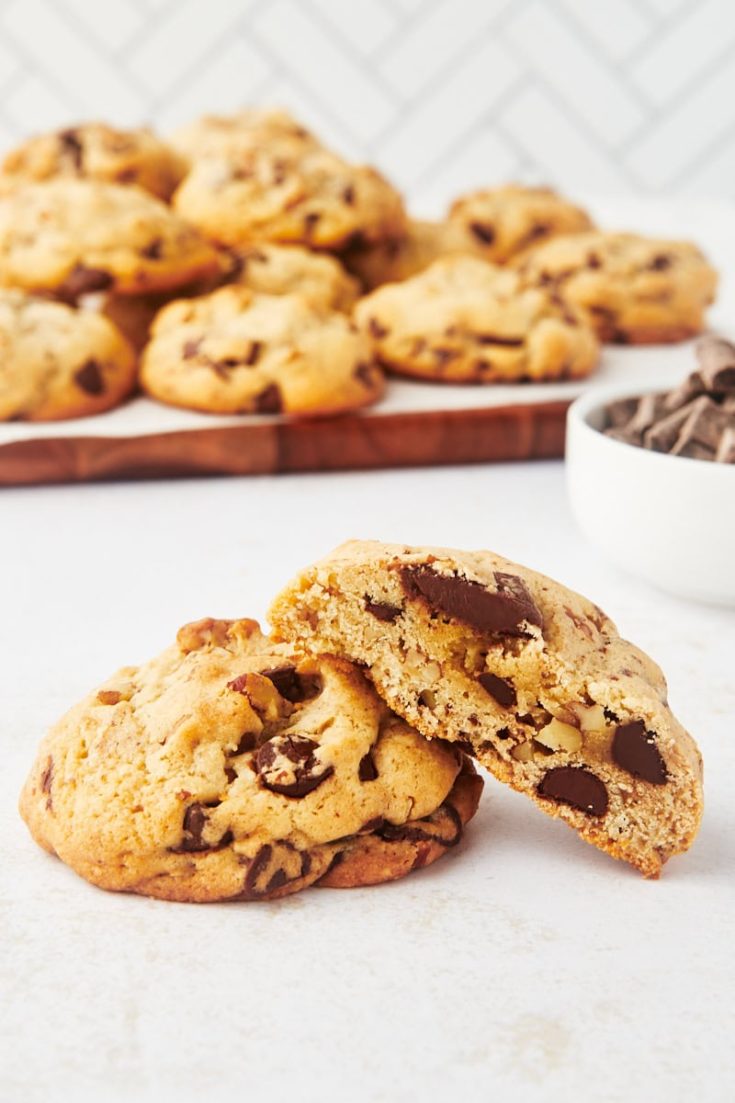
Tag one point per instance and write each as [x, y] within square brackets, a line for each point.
[603, 96]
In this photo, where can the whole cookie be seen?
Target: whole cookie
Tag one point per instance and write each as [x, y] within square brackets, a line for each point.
[636, 290]
[96, 151]
[463, 320]
[78, 236]
[236, 351]
[289, 192]
[400, 258]
[229, 768]
[225, 135]
[57, 362]
[505, 221]
[526, 675]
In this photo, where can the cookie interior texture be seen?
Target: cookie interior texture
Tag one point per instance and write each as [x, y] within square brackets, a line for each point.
[231, 768]
[529, 677]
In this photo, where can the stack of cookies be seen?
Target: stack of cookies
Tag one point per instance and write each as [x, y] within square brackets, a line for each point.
[243, 267]
[339, 751]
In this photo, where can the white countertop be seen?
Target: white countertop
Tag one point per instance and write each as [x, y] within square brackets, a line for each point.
[524, 966]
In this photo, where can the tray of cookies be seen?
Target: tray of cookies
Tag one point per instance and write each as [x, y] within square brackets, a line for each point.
[240, 299]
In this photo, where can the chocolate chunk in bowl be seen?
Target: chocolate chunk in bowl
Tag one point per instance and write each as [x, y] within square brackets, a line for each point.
[651, 478]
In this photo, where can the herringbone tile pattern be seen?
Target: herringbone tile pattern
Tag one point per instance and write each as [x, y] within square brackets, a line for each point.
[630, 96]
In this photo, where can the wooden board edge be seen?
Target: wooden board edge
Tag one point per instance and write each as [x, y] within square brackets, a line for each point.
[350, 442]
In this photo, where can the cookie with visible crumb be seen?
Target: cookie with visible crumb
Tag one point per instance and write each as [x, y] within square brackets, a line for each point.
[230, 768]
[96, 151]
[463, 320]
[57, 362]
[237, 351]
[503, 222]
[76, 237]
[528, 676]
[636, 290]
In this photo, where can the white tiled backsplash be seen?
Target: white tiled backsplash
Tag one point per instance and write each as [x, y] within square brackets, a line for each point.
[592, 95]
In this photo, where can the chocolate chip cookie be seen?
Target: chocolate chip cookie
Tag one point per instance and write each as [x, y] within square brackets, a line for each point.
[73, 237]
[505, 221]
[463, 320]
[524, 674]
[288, 192]
[96, 151]
[57, 362]
[235, 351]
[636, 290]
[398, 259]
[230, 768]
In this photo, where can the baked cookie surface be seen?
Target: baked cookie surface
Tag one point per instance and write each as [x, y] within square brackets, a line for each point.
[73, 237]
[96, 151]
[235, 351]
[229, 768]
[57, 362]
[227, 135]
[465, 320]
[292, 270]
[505, 221]
[526, 675]
[288, 192]
[635, 289]
[400, 258]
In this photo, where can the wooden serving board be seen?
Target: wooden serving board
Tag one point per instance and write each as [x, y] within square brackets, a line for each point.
[417, 424]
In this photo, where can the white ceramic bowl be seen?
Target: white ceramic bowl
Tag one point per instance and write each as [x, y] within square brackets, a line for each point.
[668, 519]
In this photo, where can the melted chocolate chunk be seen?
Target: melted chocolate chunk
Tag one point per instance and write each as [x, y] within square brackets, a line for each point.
[248, 742]
[348, 195]
[660, 262]
[89, 378]
[367, 770]
[253, 354]
[365, 373]
[506, 610]
[71, 147]
[496, 339]
[195, 820]
[634, 749]
[376, 329]
[269, 401]
[293, 686]
[47, 776]
[503, 691]
[287, 764]
[443, 826]
[190, 348]
[83, 281]
[154, 250]
[575, 786]
[483, 231]
[382, 610]
[257, 866]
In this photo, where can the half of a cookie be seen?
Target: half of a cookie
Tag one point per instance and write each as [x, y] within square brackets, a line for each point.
[526, 675]
[231, 768]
